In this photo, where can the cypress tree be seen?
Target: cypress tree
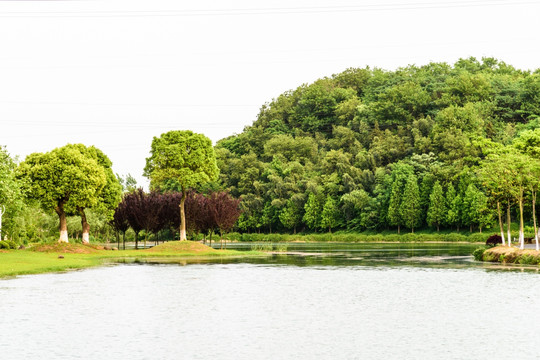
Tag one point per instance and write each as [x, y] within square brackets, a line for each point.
[312, 215]
[410, 204]
[437, 208]
[394, 213]
[330, 214]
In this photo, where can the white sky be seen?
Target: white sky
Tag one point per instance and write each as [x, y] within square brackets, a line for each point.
[116, 73]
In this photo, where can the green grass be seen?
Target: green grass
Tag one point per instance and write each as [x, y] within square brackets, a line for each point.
[56, 259]
[353, 237]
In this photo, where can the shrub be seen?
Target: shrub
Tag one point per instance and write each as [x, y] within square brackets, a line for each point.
[8, 245]
[528, 259]
[478, 253]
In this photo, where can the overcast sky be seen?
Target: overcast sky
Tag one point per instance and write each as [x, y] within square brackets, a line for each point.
[114, 74]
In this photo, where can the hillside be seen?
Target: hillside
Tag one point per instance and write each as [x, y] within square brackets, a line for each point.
[368, 148]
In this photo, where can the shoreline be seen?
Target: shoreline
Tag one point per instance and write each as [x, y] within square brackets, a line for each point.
[511, 255]
[53, 258]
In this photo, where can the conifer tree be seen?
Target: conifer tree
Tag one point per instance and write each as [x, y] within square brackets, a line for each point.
[330, 214]
[410, 204]
[290, 216]
[312, 215]
[470, 215]
[394, 213]
[437, 208]
[453, 206]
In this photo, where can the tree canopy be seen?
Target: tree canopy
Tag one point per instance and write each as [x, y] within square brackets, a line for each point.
[365, 131]
[180, 160]
[67, 178]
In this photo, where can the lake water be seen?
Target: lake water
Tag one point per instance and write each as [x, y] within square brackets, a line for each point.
[344, 302]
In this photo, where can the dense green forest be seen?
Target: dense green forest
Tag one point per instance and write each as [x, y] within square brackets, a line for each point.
[436, 147]
[370, 149]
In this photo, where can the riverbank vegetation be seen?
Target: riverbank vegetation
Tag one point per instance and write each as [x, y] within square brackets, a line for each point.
[508, 255]
[56, 257]
[431, 147]
[437, 148]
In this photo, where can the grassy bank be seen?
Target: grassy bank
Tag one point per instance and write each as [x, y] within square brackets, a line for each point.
[510, 255]
[62, 257]
[346, 237]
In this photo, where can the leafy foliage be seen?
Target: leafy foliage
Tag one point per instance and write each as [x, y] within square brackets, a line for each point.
[357, 137]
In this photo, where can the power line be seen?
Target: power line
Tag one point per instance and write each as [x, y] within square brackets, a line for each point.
[266, 11]
[17, 102]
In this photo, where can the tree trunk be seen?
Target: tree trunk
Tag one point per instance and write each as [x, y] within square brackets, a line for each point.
[118, 239]
[123, 240]
[2, 211]
[398, 229]
[136, 240]
[508, 223]
[438, 228]
[85, 226]
[534, 218]
[183, 216]
[500, 222]
[63, 222]
[521, 232]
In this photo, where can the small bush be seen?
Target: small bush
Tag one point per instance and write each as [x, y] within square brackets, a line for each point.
[8, 245]
[528, 259]
[478, 253]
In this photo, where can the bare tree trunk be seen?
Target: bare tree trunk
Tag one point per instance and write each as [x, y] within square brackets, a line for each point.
[63, 222]
[500, 222]
[508, 223]
[85, 226]
[183, 216]
[399, 229]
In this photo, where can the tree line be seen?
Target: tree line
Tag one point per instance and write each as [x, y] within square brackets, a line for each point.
[436, 147]
[370, 149]
[76, 179]
[156, 213]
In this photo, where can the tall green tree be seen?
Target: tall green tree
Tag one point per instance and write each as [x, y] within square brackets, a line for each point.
[312, 214]
[437, 212]
[330, 214]
[394, 206]
[107, 198]
[180, 160]
[291, 215]
[10, 189]
[410, 204]
[60, 177]
[453, 217]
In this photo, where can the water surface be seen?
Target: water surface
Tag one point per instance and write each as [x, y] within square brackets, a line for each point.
[423, 304]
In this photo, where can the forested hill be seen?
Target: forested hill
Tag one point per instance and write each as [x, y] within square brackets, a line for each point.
[358, 149]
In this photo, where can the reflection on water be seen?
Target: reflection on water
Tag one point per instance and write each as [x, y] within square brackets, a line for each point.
[371, 301]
